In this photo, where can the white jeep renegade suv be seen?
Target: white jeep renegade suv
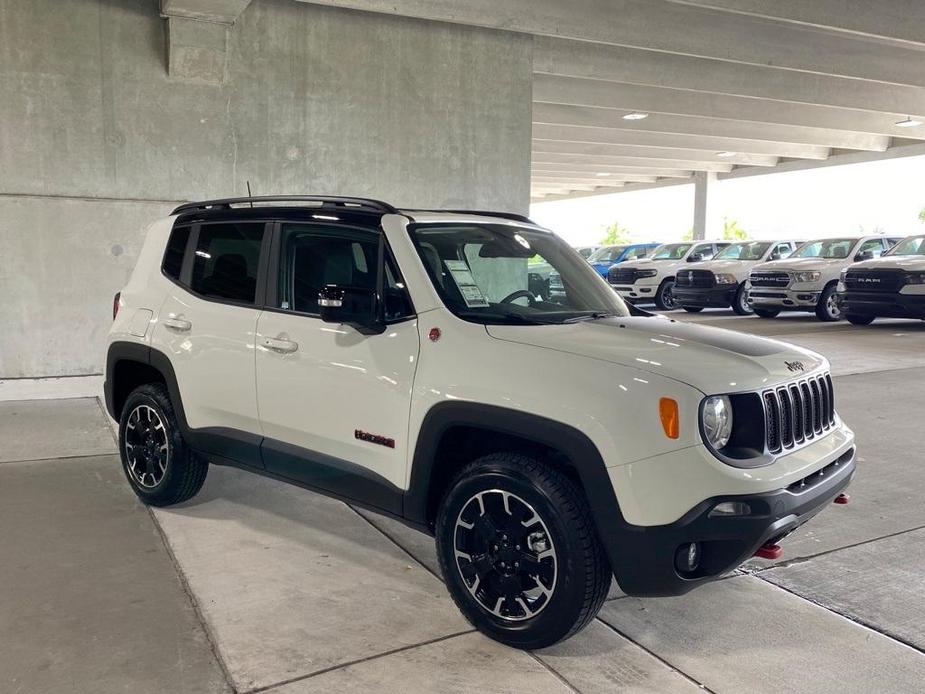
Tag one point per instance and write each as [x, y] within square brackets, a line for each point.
[807, 280]
[398, 360]
[651, 279]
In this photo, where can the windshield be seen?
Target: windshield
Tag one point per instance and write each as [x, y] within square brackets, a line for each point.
[485, 273]
[671, 251]
[828, 249]
[602, 255]
[914, 245]
[753, 250]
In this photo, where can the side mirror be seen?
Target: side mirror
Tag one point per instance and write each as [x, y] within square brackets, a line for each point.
[695, 257]
[864, 255]
[353, 306]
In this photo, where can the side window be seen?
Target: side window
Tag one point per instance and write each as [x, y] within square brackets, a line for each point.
[226, 260]
[875, 246]
[314, 257]
[173, 256]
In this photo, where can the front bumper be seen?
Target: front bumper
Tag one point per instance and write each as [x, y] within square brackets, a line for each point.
[889, 305]
[645, 555]
[640, 292]
[713, 297]
[784, 299]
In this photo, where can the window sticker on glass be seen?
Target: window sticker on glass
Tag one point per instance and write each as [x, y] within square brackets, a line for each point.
[470, 291]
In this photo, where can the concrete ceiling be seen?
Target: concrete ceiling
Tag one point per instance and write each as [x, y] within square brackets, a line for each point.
[732, 87]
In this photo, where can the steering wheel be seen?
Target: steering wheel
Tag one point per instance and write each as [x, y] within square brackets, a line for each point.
[519, 294]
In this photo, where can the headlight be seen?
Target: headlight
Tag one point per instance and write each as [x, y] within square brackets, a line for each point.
[725, 278]
[806, 276]
[647, 273]
[716, 417]
[915, 278]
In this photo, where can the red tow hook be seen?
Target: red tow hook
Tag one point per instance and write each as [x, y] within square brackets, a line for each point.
[842, 499]
[769, 551]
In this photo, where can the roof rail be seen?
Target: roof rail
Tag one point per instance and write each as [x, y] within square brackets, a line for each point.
[325, 200]
[484, 213]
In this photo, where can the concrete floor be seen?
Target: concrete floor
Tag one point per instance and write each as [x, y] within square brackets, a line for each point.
[257, 586]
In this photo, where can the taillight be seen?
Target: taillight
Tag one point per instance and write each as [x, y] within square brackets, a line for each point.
[116, 304]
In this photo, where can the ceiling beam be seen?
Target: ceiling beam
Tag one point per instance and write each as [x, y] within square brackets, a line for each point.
[612, 136]
[544, 177]
[552, 89]
[902, 20]
[586, 169]
[558, 114]
[674, 28]
[637, 66]
[608, 161]
[695, 155]
[218, 11]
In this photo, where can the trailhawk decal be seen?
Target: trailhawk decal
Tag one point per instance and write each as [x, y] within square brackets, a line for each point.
[374, 438]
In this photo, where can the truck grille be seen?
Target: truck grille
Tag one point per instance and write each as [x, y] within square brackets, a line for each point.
[698, 279]
[769, 279]
[798, 412]
[875, 280]
[619, 275]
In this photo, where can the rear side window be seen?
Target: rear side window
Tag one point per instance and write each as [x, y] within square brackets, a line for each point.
[173, 256]
[226, 260]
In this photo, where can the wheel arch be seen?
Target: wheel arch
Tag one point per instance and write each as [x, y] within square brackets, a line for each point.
[131, 364]
[454, 433]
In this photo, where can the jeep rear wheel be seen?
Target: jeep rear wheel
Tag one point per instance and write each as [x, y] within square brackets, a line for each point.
[519, 551]
[160, 467]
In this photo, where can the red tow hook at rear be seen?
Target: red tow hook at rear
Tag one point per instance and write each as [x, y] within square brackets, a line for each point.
[769, 551]
[841, 499]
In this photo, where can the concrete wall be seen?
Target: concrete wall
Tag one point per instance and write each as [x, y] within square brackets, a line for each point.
[96, 139]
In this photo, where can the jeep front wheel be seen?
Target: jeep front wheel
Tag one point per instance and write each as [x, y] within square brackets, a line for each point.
[519, 551]
[160, 467]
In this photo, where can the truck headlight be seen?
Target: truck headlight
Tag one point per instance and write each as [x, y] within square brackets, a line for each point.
[806, 276]
[716, 418]
[915, 278]
[725, 278]
[646, 273]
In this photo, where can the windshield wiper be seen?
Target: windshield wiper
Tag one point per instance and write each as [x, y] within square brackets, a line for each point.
[594, 315]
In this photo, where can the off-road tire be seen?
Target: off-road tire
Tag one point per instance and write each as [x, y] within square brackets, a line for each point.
[583, 573]
[185, 470]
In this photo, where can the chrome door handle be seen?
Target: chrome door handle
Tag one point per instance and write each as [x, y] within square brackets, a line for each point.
[280, 345]
[177, 323]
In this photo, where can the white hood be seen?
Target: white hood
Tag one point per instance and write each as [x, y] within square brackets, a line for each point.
[913, 263]
[800, 264]
[709, 359]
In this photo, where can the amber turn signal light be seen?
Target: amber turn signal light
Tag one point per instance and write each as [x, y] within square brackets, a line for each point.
[671, 421]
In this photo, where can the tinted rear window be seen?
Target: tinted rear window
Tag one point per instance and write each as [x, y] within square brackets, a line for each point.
[225, 264]
[173, 256]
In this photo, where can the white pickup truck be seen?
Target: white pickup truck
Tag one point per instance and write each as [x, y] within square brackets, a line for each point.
[808, 279]
[652, 279]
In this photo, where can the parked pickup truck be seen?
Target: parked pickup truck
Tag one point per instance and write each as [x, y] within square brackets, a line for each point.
[720, 282]
[808, 279]
[892, 285]
[651, 279]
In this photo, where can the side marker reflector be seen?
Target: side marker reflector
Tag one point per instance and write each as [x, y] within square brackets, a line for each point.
[671, 421]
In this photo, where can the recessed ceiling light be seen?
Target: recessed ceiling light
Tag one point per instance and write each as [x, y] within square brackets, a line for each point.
[907, 122]
[602, 174]
[635, 116]
[725, 155]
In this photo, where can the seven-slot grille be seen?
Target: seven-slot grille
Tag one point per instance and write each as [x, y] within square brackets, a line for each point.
[769, 279]
[874, 280]
[700, 279]
[620, 275]
[798, 412]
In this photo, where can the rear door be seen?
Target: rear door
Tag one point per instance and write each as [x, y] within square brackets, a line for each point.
[335, 403]
[206, 328]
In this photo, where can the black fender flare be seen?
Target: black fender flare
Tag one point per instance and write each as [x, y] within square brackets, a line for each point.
[574, 444]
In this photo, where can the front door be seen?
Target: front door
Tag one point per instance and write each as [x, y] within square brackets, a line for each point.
[334, 403]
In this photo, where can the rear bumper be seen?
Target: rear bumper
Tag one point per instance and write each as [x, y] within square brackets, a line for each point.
[713, 297]
[889, 305]
[647, 554]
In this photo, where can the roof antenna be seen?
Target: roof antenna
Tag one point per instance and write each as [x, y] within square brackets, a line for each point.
[249, 192]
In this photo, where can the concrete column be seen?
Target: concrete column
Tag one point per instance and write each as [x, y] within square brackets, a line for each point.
[196, 50]
[702, 220]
